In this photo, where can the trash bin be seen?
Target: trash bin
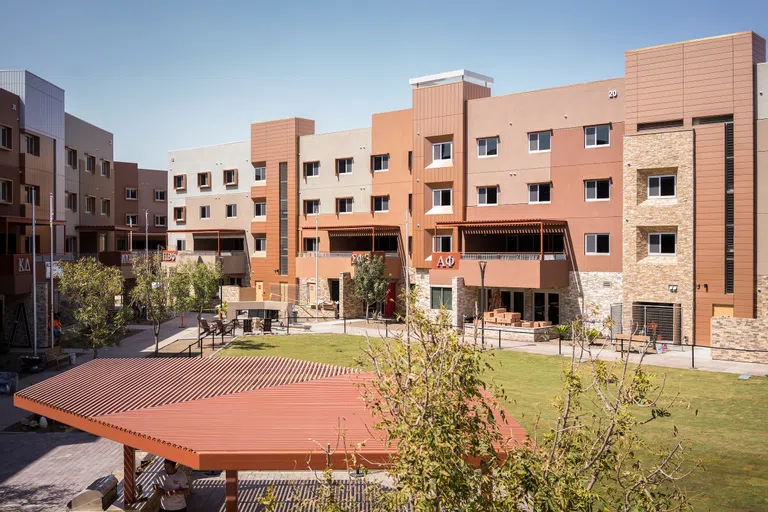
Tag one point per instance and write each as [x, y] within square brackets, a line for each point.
[72, 358]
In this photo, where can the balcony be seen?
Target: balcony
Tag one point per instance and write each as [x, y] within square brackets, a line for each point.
[232, 262]
[331, 264]
[503, 270]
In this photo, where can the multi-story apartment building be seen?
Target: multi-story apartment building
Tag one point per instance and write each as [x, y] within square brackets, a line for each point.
[141, 202]
[636, 198]
[46, 153]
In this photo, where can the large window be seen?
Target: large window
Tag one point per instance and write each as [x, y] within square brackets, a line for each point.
[6, 194]
[311, 169]
[131, 194]
[539, 193]
[596, 136]
[380, 163]
[260, 244]
[260, 209]
[662, 186]
[231, 211]
[597, 190]
[664, 244]
[5, 137]
[539, 142]
[311, 207]
[488, 146]
[442, 243]
[205, 212]
[344, 166]
[344, 205]
[381, 203]
[440, 297]
[32, 144]
[442, 197]
[488, 196]
[259, 173]
[442, 151]
[131, 220]
[310, 244]
[597, 244]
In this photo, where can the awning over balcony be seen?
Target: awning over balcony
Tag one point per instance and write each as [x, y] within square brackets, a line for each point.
[106, 228]
[345, 231]
[501, 227]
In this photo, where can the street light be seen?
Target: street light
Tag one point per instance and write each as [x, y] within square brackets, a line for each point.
[482, 264]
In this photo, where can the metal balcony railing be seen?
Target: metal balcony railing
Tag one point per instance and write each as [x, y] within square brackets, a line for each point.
[345, 254]
[513, 256]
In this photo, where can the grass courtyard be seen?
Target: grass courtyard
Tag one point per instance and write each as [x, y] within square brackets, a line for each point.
[726, 426]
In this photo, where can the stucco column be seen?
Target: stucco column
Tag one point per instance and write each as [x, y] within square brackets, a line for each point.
[129, 475]
[230, 488]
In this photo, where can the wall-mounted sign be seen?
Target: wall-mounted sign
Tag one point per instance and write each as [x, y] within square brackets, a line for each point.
[445, 260]
[613, 93]
[23, 264]
[169, 256]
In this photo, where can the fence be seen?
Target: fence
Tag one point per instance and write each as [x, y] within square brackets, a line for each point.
[664, 323]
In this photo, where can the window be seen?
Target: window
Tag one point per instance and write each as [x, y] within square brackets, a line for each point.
[539, 193]
[440, 297]
[6, 194]
[488, 146]
[179, 214]
[90, 164]
[179, 182]
[105, 206]
[131, 220]
[205, 212]
[72, 158]
[181, 245]
[664, 244]
[381, 203]
[259, 173]
[410, 160]
[596, 136]
[5, 137]
[161, 221]
[260, 244]
[231, 211]
[131, 194]
[90, 204]
[105, 168]
[380, 163]
[259, 209]
[230, 177]
[311, 169]
[597, 243]
[442, 151]
[441, 197]
[539, 142]
[70, 201]
[488, 196]
[310, 244]
[410, 203]
[204, 180]
[160, 195]
[344, 166]
[28, 244]
[311, 207]
[32, 144]
[32, 194]
[662, 186]
[344, 205]
[442, 243]
[69, 244]
[597, 190]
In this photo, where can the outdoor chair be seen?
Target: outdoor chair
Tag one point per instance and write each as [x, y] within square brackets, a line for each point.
[226, 329]
[266, 326]
[205, 329]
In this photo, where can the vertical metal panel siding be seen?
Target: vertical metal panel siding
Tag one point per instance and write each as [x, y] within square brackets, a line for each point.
[283, 218]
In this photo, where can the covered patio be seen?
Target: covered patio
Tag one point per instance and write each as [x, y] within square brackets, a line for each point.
[227, 414]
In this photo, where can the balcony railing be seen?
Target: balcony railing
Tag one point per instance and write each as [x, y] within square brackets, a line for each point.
[513, 256]
[349, 254]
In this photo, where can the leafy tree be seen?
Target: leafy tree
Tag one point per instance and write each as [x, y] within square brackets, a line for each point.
[194, 286]
[369, 282]
[91, 287]
[152, 290]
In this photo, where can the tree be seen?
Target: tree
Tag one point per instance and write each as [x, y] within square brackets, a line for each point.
[194, 285]
[369, 282]
[92, 287]
[152, 290]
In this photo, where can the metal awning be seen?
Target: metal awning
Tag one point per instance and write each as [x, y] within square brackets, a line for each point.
[347, 231]
[501, 227]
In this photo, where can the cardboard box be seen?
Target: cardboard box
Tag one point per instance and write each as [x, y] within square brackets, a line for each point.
[499, 311]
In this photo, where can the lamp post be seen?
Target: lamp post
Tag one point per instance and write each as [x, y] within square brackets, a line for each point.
[482, 264]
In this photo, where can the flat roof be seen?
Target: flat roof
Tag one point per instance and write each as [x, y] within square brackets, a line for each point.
[239, 413]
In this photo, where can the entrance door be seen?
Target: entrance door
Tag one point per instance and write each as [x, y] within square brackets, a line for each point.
[311, 293]
[283, 292]
[553, 308]
[506, 299]
[259, 285]
[334, 289]
[539, 306]
[518, 305]
[389, 304]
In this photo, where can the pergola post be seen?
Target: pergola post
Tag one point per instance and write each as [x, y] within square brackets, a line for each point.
[230, 489]
[129, 475]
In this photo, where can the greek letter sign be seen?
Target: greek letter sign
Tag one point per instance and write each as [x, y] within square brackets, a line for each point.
[445, 260]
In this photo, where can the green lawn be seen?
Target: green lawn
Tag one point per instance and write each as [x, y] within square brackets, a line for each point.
[729, 434]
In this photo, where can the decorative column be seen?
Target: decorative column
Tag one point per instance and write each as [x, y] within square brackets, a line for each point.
[230, 488]
[129, 475]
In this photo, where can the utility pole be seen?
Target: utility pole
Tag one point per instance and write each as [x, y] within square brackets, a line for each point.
[34, 279]
[130, 234]
[146, 232]
[50, 277]
[317, 264]
[407, 281]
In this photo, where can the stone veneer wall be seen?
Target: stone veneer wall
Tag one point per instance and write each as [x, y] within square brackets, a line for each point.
[12, 303]
[647, 278]
[588, 291]
[743, 333]
[349, 305]
[323, 291]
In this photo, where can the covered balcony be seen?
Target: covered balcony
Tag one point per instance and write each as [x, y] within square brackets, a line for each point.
[519, 254]
[347, 243]
[226, 246]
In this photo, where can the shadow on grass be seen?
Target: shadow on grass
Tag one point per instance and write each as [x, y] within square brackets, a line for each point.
[250, 345]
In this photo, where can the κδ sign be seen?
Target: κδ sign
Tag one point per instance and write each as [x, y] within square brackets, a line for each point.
[445, 260]
[23, 264]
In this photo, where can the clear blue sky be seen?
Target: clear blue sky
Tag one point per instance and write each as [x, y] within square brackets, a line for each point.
[165, 75]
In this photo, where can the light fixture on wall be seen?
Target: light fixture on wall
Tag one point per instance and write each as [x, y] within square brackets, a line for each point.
[673, 288]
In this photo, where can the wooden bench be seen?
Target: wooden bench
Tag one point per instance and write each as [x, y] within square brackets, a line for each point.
[55, 356]
[621, 342]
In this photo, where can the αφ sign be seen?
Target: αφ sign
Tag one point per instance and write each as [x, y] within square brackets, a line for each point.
[444, 260]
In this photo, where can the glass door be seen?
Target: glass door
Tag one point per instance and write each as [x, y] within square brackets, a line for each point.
[553, 308]
[539, 306]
